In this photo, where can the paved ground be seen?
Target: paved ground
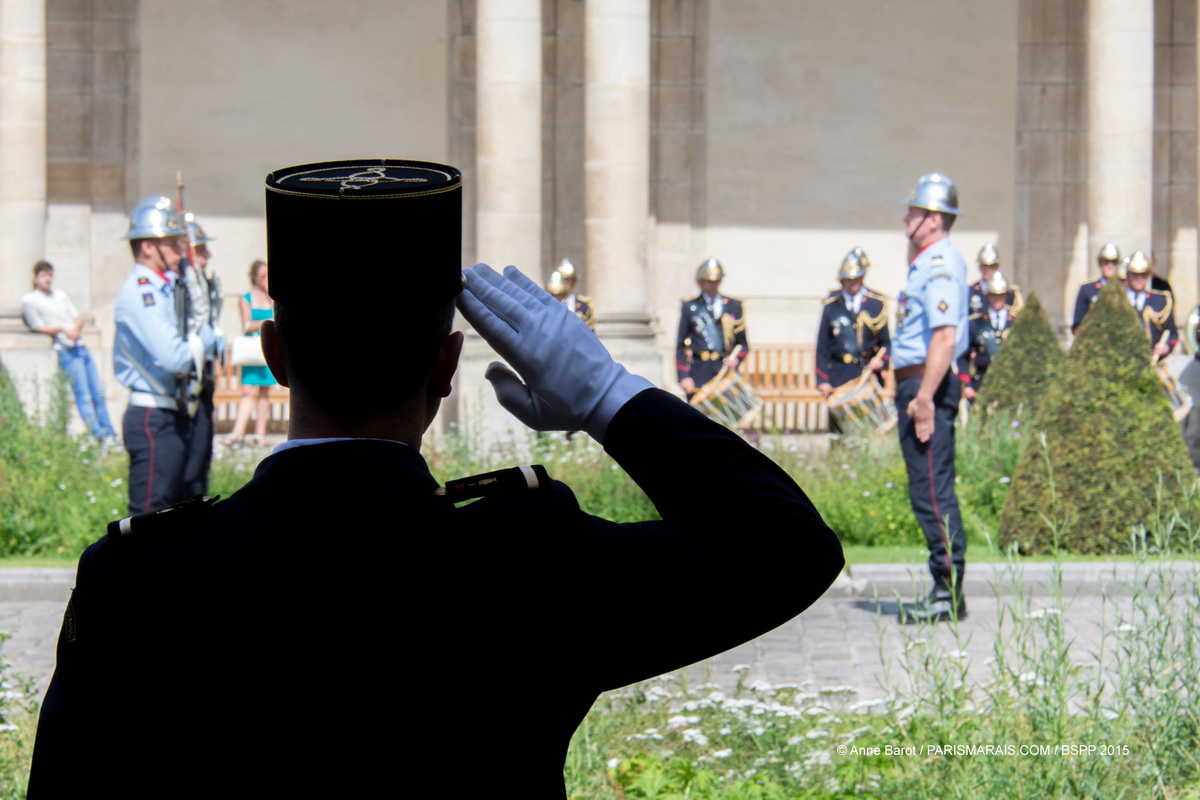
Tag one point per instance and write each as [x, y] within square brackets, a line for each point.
[848, 638]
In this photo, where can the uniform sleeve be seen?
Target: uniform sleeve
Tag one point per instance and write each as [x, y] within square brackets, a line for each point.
[156, 332]
[728, 564]
[944, 299]
[740, 338]
[682, 367]
[1081, 308]
[884, 337]
[822, 353]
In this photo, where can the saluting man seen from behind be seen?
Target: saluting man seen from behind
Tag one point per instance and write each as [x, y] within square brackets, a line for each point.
[1106, 259]
[931, 335]
[154, 358]
[988, 329]
[343, 532]
[1154, 308]
[562, 288]
[989, 265]
[712, 331]
[854, 330]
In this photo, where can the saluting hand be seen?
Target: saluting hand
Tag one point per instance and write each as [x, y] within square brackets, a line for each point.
[920, 411]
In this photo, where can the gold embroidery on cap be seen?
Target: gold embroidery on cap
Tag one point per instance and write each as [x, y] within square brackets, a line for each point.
[369, 177]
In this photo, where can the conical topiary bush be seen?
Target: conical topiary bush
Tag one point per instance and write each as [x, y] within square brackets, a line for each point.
[1109, 438]
[1025, 366]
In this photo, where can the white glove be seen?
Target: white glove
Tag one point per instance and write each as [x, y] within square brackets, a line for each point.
[570, 380]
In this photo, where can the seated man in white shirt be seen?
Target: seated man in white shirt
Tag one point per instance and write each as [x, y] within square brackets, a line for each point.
[48, 310]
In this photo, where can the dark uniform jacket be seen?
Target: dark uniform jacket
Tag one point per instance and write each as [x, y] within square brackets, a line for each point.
[847, 341]
[978, 298]
[705, 340]
[985, 343]
[1158, 318]
[338, 629]
[1089, 293]
[583, 308]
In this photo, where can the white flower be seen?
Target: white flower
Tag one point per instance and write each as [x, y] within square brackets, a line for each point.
[890, 484]
[725, 731]
[741, 668]
[695, 736]
[1006, 479]
[62, 487]
[760, 686]
[959, 654]
[726, 753]
[1126, 628]
[613, 763]
[678, 721]
[866, 494]
[115, 482]
[115, 513]
[816, 733]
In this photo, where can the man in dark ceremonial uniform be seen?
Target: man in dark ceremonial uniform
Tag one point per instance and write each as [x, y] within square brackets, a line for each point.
[322, 627]
[563, 291]
[853, 332]
[1107, 259]
[988, 329]
[712, 331]
[989, 265]
[1154, 308]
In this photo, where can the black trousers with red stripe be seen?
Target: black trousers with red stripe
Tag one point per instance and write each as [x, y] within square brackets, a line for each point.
[931, 478]
[156, 439]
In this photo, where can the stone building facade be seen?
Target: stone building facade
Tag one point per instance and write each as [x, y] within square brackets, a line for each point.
[636, 137]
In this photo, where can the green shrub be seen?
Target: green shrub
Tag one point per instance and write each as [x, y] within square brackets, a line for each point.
[1025, 366]
[1109, 435]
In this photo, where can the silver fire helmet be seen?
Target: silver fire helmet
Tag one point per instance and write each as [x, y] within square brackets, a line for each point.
[710, 270]
[154, 218]
[854, 265]
[989, 256]
[934, 192]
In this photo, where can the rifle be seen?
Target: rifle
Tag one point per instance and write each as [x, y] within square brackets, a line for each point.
[190, 388]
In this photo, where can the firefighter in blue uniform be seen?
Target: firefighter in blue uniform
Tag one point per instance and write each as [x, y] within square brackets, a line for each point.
[989, 265]
[988, 329]
[854, 330]
[712, 331]
[204, 310]
[1154, 308]
[563, 290]
[156, 358]
[930, 335]
[1106, 259]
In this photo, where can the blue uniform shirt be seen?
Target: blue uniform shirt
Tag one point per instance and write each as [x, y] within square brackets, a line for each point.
[148, 353]
[936, 295]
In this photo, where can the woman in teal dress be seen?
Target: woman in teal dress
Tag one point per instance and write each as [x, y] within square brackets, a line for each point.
[255, 306]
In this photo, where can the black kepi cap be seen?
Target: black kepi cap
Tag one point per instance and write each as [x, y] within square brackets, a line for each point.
[318, 214]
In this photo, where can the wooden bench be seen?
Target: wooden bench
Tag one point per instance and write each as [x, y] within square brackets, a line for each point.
[784, 378]
[228, 394]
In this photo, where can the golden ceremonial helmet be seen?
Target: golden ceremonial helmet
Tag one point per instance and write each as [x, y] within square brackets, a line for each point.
[710, 270]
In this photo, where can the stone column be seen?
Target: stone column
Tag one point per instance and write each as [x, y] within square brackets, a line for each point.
[617, 177]
[508, 138]
[508, 165]
[22, 144]
[1120, 138]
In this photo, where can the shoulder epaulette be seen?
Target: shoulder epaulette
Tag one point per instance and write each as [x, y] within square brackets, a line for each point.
[185, 513]
[831, 299]
[980, 315]
[583, 298]
[503, 482]
[1159, 292]
[877, 295]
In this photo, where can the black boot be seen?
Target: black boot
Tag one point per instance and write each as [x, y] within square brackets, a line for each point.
[939, 606]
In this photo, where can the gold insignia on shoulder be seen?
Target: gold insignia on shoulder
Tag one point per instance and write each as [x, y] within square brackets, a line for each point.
[937, 275]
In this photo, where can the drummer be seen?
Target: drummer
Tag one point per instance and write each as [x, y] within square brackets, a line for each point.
[854, 331]
[987, 330]
[712, 331]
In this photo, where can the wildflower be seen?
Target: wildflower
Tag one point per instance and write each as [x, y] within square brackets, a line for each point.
[843, 689]
[725, 732]
[695, 736]
[62, 487]
[1006, 479]
[845, 466]
[816, 733]
[741, 668]
[613, 467]
[678, 721]
[726, 753]
[758, 731]
[761, 686]
[959, 654]
[890, 484]
[45, 462]
[818, 758]
[613, 763]
[91, 499]
[115, 513]
[1016, 423]
[866, 494]
[115, 483]
[1126, 628]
